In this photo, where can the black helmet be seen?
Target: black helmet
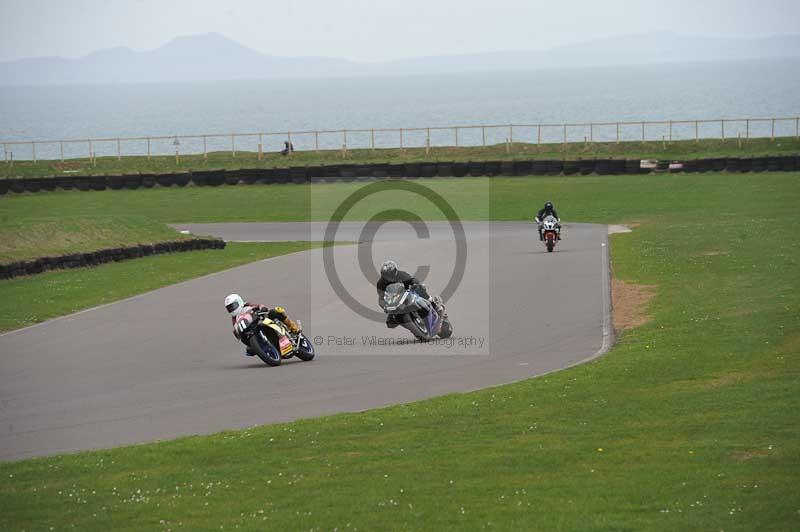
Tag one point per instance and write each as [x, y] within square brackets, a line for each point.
[389, 270]
[548, 206]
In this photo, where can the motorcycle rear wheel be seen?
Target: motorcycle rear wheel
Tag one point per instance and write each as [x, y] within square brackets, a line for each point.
[447, 329]
[304, 354]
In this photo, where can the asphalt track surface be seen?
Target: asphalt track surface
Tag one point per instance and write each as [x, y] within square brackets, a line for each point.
[165, 364]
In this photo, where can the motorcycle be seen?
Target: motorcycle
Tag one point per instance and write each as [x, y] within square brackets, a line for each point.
[550, 232]
[415, 313]
[271, 340]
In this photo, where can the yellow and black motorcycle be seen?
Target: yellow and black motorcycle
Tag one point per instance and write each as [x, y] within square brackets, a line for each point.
[270, 339]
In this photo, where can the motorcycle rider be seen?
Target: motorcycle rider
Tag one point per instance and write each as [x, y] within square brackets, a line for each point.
[544, 212]
[390, 273]
[235, 306]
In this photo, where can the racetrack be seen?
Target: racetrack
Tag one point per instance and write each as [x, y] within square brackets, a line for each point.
[164, 364]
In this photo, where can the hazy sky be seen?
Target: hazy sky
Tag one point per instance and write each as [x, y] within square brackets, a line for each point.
[372, 30]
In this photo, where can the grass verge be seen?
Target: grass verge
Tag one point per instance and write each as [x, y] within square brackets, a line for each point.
[33, 299]
[689, 423]
[574, 150]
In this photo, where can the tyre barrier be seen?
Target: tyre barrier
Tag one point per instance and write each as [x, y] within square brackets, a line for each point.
[413, 169]
[164, 180]
[690, 166]
[114, 182]
[572, 167]
[718, 165]
[633, 167]
[523, 167]
[732, 164]
[232, 177]
[330, 173]
[539, 168]
[133, 181]
[396, 170]
[427, 170]
[460, 169]
[507, 168]
[148, 181]
[492, 168]
[94, 258]
[745, 165]
[444, 169]
[758, 164]
[789, 163]
[476, 168]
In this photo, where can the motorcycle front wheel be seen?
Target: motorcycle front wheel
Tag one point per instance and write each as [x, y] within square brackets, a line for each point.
[416, 324]
[265, 352]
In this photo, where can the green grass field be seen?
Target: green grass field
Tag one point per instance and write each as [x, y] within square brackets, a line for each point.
[36, 298]
[574, 150]
[689, 423]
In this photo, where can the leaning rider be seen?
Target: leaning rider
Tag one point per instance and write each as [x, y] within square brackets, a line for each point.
[544, 212]
[390, 273]
[235, 306]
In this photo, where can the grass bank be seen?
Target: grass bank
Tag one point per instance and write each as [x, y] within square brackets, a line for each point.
[689, 423]
[33, 299]
[574, 150]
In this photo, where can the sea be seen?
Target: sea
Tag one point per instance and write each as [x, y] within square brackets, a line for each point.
[280, 108]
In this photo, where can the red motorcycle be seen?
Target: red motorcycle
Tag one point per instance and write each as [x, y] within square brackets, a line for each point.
[550, 232]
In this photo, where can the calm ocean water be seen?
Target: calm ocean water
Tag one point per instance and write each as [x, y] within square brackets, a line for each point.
[689, 91]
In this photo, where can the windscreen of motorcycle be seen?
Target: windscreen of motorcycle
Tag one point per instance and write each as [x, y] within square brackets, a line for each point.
[393, 295]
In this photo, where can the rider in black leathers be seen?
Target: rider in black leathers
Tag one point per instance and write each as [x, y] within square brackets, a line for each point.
[391, 274]
[544, 212]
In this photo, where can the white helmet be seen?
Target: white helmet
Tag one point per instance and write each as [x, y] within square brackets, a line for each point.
[234, 304]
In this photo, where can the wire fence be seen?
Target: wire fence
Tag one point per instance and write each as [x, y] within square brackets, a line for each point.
[402, 138]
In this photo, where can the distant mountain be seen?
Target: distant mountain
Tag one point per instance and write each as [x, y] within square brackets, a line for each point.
[194, 58]
[215, 57]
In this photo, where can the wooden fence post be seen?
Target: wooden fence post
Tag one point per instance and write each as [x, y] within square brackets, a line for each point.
[316, 142]
[372, 139]
[205, 147]
[538, 134]
[5, 152]
[260, 147]
[401, 139]
[33, 145]
[148, 148]
[670, 130]
[747, 128]
[483, 135]
[61, 147]
[591, 133]
[427, 141]
[455, 130]
[797, 128]
[617, 132]
[696, 132]
[722, 128]
[642, 131]
[119, 150]
[510, 133]
[91, 151]
[565, 135]
[233, 146]
[773, 129]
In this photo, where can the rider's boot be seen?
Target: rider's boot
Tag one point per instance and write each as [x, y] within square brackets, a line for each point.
[541, 236]
[294, 328]
[439, 306]
[249, 352]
